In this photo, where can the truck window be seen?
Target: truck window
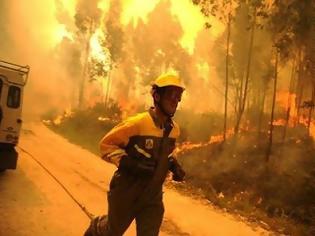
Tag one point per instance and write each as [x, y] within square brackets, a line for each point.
[14, 97]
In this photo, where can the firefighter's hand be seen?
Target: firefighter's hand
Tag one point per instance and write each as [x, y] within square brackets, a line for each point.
[138, 166]
[176, 169]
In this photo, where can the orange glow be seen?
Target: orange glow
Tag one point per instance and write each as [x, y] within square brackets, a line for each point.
[312, 130]
[69, 6]
[61, 32]
[137, 9]
[303, 121]
[280, 122]
[96, 50]
[186, 146]
[188, 15]
[185, 11]
[39, 25]
[285, 99]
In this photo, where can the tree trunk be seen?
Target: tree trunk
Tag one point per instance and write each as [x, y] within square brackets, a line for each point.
[107, 89]
[262, 106]
[227, 74]
[300, 85]
[260, 93]
[236, 129]
[236, 97]
[269, 147]
[311, 108]
[240, 95]
[85, 66]
[237, 88]
[299, 100]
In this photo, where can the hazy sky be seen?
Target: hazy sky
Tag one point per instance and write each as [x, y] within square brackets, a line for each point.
[34, 31]
[188, 15]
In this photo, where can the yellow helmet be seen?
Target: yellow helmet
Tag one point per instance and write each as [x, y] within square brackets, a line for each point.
[168, 80]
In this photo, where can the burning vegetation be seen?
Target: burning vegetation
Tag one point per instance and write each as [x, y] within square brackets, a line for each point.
[246, 118]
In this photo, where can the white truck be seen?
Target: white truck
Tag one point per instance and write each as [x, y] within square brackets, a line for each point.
[13, 78]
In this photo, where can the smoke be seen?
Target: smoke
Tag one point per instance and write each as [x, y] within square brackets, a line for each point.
[51, 37]
[31, 34]
[46, 36]
[147, 49]
[153, 47]
[204, 77]
[5, 37]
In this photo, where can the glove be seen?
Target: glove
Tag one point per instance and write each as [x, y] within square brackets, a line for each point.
[176, 169]
[138, 166]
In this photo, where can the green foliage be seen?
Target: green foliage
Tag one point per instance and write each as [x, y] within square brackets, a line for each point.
[290, 24]
[87, 15]
[161, 43]
[115, 39]
[97, 69]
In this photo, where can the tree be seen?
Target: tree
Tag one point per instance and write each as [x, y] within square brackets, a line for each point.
[228, 12]
[269, 146]
[290, 24]
[163, 51]
[115, 42]
[224, 11]
[87, 19]
[291, 86]
[256, 9]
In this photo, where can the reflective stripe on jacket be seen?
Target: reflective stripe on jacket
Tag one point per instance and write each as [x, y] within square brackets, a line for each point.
[139, 137]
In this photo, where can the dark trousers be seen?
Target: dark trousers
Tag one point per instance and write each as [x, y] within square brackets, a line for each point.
[130, 198]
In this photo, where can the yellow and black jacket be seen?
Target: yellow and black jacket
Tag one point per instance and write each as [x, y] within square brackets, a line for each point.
[139, 136]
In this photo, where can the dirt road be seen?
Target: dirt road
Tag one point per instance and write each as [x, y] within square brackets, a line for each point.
[33, 203]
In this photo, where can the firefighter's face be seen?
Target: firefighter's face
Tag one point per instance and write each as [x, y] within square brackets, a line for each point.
[170, 98]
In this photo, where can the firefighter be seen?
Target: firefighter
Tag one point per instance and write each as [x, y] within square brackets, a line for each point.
[141, 147]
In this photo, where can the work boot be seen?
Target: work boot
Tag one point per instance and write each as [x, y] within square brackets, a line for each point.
[97, 226]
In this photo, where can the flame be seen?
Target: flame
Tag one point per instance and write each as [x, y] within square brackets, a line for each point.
[69, 6]
[186, 146]
[285, 99]
[61, 32]
[68, 113]
[303, 121]
[183, 10]
[97, 51]
[103, 5]
[103, 119]
[312, 130]
[137, 9]
[279, 122]
[58, 120]
[116, 118]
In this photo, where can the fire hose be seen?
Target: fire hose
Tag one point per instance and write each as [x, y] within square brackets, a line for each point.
[82, 207]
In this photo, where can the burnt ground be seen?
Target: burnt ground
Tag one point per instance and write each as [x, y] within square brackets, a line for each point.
[235, 176]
